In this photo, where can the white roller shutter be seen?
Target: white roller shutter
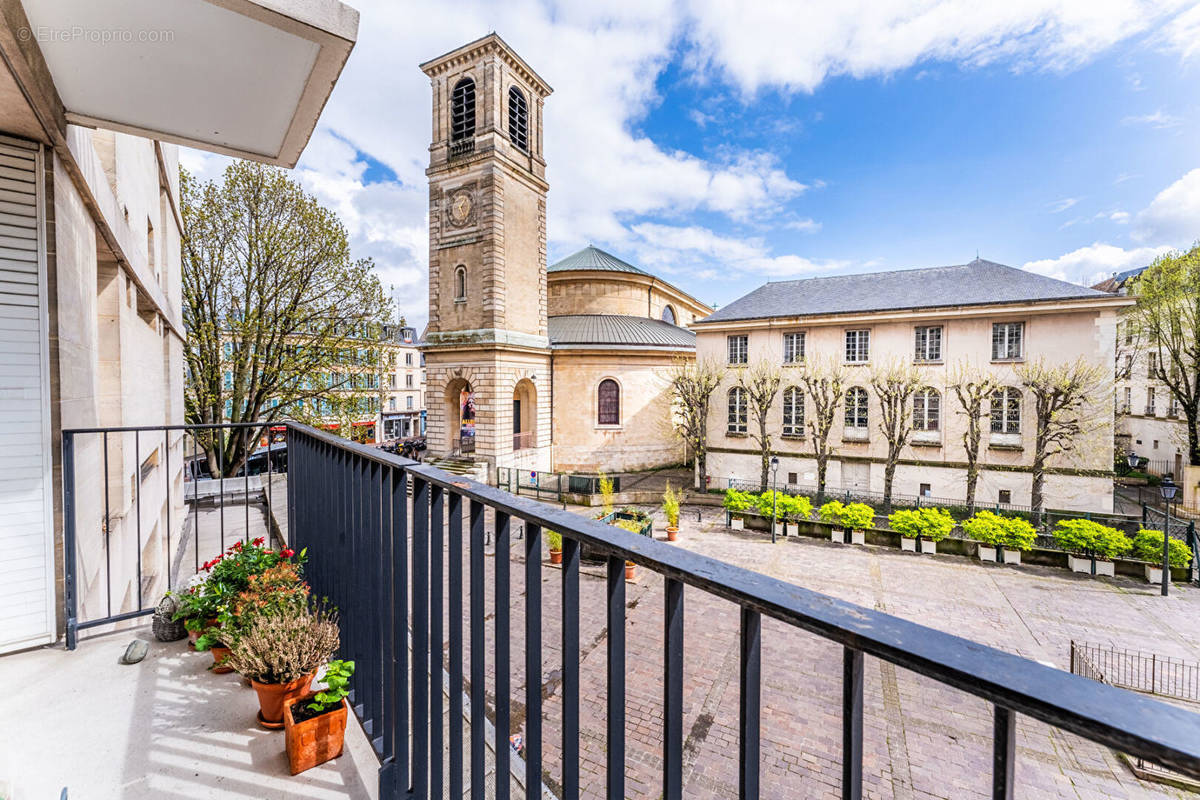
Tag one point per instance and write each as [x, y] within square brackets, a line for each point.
[27, 607]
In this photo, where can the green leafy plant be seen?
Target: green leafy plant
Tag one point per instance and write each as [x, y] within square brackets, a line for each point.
[1013, 533]
[553, 541]
[857, 516]
[606, 493]
[738, 502]
[934, 524]
[795, 507]
[1148, 546]
[628, 525]
[770, 502]
[1086, 537]
[670, 505]
[831, 512]
[337, 678]
[1019, 534]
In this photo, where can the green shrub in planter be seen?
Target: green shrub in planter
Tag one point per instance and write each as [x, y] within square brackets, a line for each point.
[1012, 533]
[857, 516]
[1019, 534]
[738, 502]
[772, 502]
[795, 507]
[1147, 546]
[1085, 536]
[934, 524]
[831, 512]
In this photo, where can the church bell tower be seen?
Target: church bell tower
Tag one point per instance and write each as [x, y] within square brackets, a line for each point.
[487, 353]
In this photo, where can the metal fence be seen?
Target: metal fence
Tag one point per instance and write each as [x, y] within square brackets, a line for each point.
[543, 485]
[397, 571]
[1133, 669]
[125, 543]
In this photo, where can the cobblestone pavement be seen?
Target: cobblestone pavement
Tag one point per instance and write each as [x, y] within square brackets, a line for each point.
[923, 740]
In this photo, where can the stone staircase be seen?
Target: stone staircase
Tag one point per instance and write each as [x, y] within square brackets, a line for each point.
[459, 465]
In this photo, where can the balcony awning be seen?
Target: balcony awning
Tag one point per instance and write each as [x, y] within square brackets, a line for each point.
[247, 78]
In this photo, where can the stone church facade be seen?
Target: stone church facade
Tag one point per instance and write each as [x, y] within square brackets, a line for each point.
[549, 369]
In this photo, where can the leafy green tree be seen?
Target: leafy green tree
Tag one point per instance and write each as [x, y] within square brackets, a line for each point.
[761, 382]
[1167, 322]
[281, 321]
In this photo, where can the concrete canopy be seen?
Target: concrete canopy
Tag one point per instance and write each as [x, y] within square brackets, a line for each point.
[246, 78]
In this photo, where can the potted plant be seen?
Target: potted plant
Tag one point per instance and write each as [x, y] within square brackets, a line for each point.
[1002, 537]
[554, 545]
[315, 727]
[737, 503]
[280, 652]
[795, 508]
[921, 529]
[831, 512]
[670, 507]
[771, 503]
[1090, 545]
[606, 494]
[1148, 546]
[855, 519]
[633, 527]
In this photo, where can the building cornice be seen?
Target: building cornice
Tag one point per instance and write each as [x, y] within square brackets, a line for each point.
[490, 44]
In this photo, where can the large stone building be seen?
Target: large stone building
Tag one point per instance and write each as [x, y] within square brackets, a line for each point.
[91, 332]
[983, 315]
[560, 368]
[402, 413]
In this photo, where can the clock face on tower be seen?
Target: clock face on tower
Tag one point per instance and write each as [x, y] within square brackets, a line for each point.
[460, 207]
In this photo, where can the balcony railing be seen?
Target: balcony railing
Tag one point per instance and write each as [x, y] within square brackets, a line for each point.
[523, 440]
[398, 576]
[462, 148]
[1149, 411]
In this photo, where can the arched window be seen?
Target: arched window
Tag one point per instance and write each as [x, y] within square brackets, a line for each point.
[927, 410]
[460, 283]
[608, 403]
[737, 410]
[462, 110]
[1006, 410]
[518, 119]
[856, 407]
[793, 412]
[668, 315]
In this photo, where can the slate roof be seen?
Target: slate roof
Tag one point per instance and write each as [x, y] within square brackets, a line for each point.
[616, 330]
[594, 258]
[977, 283]
[1117, 283]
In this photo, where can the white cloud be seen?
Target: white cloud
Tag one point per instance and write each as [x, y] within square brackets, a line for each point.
[1094, 263]
[701, 252]
[1174, 214]
[1182, 34]
[1059, 206]
[806, 225]
[1159, 119]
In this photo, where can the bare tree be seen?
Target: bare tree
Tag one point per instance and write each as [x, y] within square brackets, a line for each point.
[761, 382]
[972, 386]
[692, 385]
[1167, 315]
[1069, 403]
[894, 383]
[824, 382]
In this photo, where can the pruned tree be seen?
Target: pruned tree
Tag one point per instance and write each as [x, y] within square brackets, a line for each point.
[281, 322]
[1167, 316]
[824, 383]
[1069, 403]
[692, 385]
[761, 381]
[894, 383]
[972, 387]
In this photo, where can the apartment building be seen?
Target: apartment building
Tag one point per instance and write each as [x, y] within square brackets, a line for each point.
[94, 98]
[402, 414]
[981, 315]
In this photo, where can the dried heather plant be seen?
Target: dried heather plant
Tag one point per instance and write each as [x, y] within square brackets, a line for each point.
[285, 644]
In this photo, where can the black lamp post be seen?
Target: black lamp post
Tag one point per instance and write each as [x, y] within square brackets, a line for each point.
[1167, 489]
[774, 493]
[1131, 460]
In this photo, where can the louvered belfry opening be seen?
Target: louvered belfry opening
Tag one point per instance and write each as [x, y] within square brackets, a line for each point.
[518, 119]
[462, 110]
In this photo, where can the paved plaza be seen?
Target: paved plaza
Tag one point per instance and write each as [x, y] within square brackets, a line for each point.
[922, 740]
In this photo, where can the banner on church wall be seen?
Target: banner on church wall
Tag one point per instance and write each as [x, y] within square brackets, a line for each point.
[466, 429]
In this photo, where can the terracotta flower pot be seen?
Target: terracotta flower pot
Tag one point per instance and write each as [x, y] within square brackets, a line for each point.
[672, 533]
[556, 556]
[192, 637]
[630, 567]
[313, 741]
[220, 652]
[273, 697]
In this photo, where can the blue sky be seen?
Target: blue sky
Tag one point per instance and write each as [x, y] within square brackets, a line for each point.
[724, 144]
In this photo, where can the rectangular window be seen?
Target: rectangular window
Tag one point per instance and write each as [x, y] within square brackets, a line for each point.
[793, 348]
[1006, 411]
[408, 381]
[737, 411]
[1128, 371]
[228, 381]
[1128, 401]
[793, 412]
[793, 477]
[1151, 364]
[926, 490]
[408, 359]
[391, 404]
[1150, 402]
[738, 349]
[1006, 496]
[409, 401]
[1008, 341]
[929, 343]
[858, 346]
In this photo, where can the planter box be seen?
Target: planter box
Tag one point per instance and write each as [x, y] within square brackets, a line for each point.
[929, 546]
[987, 553]
[1012, 557]
[837, 536]
[858, 537]
[908, 545]
[1153, 574]
[737, 524]
[1106, 568]
[1007, 556]
[1080, 564]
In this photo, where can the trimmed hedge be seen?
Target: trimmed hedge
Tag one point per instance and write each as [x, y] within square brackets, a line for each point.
[934, 524]
[1085, 537]
[1014, 533]
[1148, 546]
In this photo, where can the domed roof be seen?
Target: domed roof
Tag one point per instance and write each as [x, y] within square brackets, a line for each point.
[593, 258]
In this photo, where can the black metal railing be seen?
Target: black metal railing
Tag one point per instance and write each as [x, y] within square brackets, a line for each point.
[111, 529]
[1136, 670]
[396, 569]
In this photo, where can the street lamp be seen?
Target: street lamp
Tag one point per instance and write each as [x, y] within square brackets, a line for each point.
[774, 493]
[1167, 489]
[1132, 460]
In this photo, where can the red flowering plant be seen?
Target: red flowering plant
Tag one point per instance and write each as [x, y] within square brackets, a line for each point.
[277, 589]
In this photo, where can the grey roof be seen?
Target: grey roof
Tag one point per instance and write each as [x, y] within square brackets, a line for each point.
[1119, 283]
[594, 258]
[608, 330]
[978, 283]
